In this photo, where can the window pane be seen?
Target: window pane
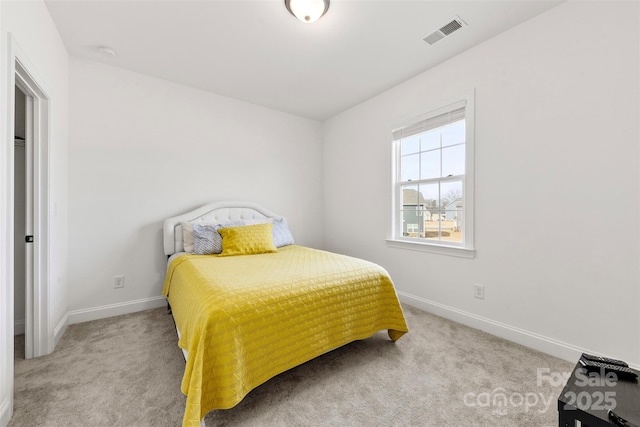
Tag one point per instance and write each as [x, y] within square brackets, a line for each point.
[410, 195]
[430, 140]
[430, 196]
[430, 164]
[410, 167]
[411, 222]
[453, 133]
[453, 161]
[451, 199]
[410, 145]
[432, 224]
[450, 227]
[412, 211]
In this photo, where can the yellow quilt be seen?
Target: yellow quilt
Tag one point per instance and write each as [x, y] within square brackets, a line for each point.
[245, 319]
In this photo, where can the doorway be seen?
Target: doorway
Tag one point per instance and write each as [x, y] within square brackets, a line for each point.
[18, 71]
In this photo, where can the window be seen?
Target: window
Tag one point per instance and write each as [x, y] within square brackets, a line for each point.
[433, 180]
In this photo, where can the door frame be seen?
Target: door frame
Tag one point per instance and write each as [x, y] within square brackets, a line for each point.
[23, 74]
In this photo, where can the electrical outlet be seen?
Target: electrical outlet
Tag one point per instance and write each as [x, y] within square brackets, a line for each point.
[118, 282]
[478, 291]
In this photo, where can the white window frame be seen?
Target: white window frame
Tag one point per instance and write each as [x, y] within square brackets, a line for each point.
[466, 249]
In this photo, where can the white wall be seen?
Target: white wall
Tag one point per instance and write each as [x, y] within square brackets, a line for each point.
[144, 149]
[557, 183]
[32, 27]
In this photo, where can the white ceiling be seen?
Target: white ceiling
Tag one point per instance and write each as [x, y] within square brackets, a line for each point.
[257, 52]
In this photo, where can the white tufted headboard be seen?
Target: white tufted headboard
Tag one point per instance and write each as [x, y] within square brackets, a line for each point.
[218, 212]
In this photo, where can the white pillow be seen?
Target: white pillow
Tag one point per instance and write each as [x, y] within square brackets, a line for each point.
[281, 234]
[187, 237]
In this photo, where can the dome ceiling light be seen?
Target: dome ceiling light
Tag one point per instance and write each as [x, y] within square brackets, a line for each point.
[307, 11]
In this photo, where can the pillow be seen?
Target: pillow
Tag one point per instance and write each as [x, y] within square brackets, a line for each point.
[281, 234]
[247, 240]
[207, 240]
[187, 237]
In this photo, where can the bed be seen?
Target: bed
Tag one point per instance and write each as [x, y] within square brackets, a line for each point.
[245, 318]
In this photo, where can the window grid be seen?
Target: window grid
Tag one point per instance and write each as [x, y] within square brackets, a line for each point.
[444, 222]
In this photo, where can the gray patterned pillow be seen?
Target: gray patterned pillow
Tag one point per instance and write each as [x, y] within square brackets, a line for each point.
[207, 240]
[281, 234]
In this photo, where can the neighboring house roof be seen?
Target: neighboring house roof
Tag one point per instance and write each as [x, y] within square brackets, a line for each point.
[457, 203]
[412, 197]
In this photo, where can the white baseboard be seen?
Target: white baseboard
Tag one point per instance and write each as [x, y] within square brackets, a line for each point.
[18, 327]
[5, 412]
[560, 349]
[102, 312]
[59, 329]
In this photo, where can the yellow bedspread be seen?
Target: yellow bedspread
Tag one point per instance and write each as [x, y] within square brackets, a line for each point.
[245, 319]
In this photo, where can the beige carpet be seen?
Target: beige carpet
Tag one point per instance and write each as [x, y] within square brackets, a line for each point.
[126, 371]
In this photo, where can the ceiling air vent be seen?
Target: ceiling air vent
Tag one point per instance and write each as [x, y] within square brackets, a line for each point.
[455, 24]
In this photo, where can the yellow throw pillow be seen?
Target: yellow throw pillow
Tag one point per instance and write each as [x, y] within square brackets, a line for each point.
[247, 240]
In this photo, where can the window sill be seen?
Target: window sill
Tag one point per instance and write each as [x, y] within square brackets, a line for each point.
[431, 248]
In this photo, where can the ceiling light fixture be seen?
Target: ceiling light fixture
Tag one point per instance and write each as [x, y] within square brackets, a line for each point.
[307, 11]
